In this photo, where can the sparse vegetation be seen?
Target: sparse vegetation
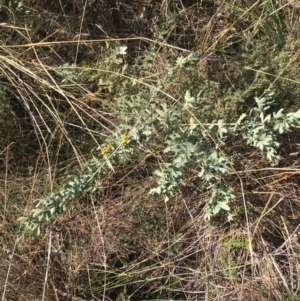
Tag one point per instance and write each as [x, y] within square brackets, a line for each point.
[151, 153]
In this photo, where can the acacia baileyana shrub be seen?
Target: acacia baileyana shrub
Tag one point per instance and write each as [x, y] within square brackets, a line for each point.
[177, 129]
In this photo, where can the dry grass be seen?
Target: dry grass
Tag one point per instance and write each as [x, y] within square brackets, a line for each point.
[120, 243]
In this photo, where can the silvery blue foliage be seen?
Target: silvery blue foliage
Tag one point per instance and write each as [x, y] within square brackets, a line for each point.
[174, 131]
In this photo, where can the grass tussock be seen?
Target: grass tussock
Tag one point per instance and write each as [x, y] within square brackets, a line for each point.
[149, 150]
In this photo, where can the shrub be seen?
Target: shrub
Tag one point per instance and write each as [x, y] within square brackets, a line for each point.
[173, 130]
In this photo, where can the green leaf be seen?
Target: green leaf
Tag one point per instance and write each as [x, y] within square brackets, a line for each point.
[121, 50]
[167, 149]
[22, 219]
[224, 206]
[38, 230]
[221, 128]
[37, 212]
[158, 173]
[216, 209]
[160, 112]
[278, 114]
[109, 164]
[188, 100]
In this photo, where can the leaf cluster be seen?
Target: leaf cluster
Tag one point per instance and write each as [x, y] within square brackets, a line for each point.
[176, 129]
